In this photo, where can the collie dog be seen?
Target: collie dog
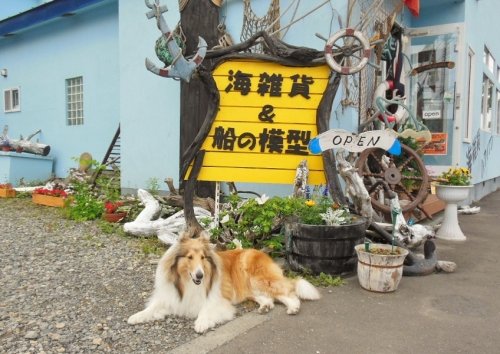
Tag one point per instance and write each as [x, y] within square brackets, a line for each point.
[194, 281]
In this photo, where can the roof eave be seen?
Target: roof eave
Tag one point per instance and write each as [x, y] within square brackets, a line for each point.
[41, 14]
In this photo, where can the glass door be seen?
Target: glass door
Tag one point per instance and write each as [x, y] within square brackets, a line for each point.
[432, 88]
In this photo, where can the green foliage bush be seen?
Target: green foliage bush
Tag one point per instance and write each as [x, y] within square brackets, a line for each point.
[85, 204]
[257, 222]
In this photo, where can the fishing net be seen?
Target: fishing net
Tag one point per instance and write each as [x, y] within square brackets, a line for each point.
[253, 23]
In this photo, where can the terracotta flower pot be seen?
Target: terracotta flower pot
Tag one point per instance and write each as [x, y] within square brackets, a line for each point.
[114, 217]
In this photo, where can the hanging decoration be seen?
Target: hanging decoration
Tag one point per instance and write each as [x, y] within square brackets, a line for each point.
[161, 46]
[253, 24]
[413, 6]
[179, 67]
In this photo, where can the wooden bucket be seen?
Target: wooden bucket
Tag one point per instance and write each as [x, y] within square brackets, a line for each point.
[321, 248]
[378, 272]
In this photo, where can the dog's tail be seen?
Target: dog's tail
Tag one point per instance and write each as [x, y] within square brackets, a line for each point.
[306, 290]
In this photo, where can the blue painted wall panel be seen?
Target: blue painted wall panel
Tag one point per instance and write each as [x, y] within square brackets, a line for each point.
[40, 60]
[149, 104]
[482, 30]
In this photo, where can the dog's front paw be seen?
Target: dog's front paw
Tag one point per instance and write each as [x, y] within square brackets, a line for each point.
[265, 308]
[201, 325]
[293, 306]
[293, 310]
[139, 317]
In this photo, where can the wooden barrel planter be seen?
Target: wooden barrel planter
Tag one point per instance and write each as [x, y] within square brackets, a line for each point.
[321, 248]
[380, 272]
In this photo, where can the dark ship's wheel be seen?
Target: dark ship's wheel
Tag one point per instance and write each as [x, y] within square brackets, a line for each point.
[405, 174]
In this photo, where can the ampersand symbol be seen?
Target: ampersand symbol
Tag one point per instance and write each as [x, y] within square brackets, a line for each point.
[266, 115]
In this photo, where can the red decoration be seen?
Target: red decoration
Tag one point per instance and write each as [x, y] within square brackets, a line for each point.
[111, 207]
[51, 192]
[413, 6]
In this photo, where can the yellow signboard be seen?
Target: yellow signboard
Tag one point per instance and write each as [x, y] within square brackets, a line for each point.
[266, 118]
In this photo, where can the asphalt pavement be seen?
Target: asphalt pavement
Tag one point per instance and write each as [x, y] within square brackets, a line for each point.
[440, 313]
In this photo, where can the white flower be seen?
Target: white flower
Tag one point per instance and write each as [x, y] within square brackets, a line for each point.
[261, 200]
[225, 219]
[237, 243]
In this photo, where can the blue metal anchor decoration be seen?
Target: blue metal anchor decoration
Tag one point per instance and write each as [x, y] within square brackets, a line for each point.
[180, 68]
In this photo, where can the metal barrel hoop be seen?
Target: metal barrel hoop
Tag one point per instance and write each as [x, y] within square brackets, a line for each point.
[336, 66]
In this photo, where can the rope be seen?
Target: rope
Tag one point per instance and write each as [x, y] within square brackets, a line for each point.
[182, 4]
[301, 17]
[283, 14]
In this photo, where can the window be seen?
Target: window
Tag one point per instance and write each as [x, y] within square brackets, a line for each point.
[498, 74]
[11, 100]
[488, 60]
[74, 101]
[498, 112]
[486, 103]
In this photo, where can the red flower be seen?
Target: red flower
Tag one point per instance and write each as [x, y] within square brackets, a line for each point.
[51, 192]
[111, 207]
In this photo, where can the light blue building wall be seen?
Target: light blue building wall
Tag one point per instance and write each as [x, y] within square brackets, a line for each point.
[107, 44]
[40, 59]
[149, 105]
[482, 149]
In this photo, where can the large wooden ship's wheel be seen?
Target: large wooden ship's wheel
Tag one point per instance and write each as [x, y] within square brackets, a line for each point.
[405, 175]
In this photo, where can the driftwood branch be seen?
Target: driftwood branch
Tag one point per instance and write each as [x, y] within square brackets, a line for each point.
[355, 187]
[322, 122]
[147, 222]
[279, 50]
[24, 145]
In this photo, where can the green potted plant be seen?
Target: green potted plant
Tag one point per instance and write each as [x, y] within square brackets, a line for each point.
[113, 213]
[321, 237]
[314, 234]
[453, 187]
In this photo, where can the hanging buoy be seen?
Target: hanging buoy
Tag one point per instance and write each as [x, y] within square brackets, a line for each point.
[400, 115]
[347, 51]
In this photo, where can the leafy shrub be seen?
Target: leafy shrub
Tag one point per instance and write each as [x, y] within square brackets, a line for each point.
[85, 205]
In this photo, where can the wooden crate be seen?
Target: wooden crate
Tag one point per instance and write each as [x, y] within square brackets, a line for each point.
[48, 200]
[7, 193]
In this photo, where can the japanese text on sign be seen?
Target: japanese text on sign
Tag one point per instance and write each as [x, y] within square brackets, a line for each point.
[266, 119]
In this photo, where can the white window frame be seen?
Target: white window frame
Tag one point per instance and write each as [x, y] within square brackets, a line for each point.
[469, 100]
[485, 122]
[9, 105]
[74, 101]
[488, 60]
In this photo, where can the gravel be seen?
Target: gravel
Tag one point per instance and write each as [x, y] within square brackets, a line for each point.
[68, 287]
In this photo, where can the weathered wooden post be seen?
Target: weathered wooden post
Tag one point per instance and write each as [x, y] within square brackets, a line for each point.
[198, 18]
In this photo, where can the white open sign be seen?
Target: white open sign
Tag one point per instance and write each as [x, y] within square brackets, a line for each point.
[436, 114]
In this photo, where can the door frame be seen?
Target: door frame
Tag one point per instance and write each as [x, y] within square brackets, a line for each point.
[458, 28]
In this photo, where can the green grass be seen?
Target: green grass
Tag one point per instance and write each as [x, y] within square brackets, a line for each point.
[322, 280]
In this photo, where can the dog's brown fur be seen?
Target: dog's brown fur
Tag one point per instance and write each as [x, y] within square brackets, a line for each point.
[225, 278]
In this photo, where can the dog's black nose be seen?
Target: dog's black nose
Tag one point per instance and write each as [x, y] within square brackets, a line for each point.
[199, 275]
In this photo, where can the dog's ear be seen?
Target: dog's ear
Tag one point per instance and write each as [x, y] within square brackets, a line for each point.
[184, 236]
[204, 236]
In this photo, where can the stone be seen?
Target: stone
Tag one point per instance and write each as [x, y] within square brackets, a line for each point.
[32, 335]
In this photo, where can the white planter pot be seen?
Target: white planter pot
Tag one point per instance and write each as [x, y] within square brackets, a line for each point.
[378, 272]
[451, 195]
